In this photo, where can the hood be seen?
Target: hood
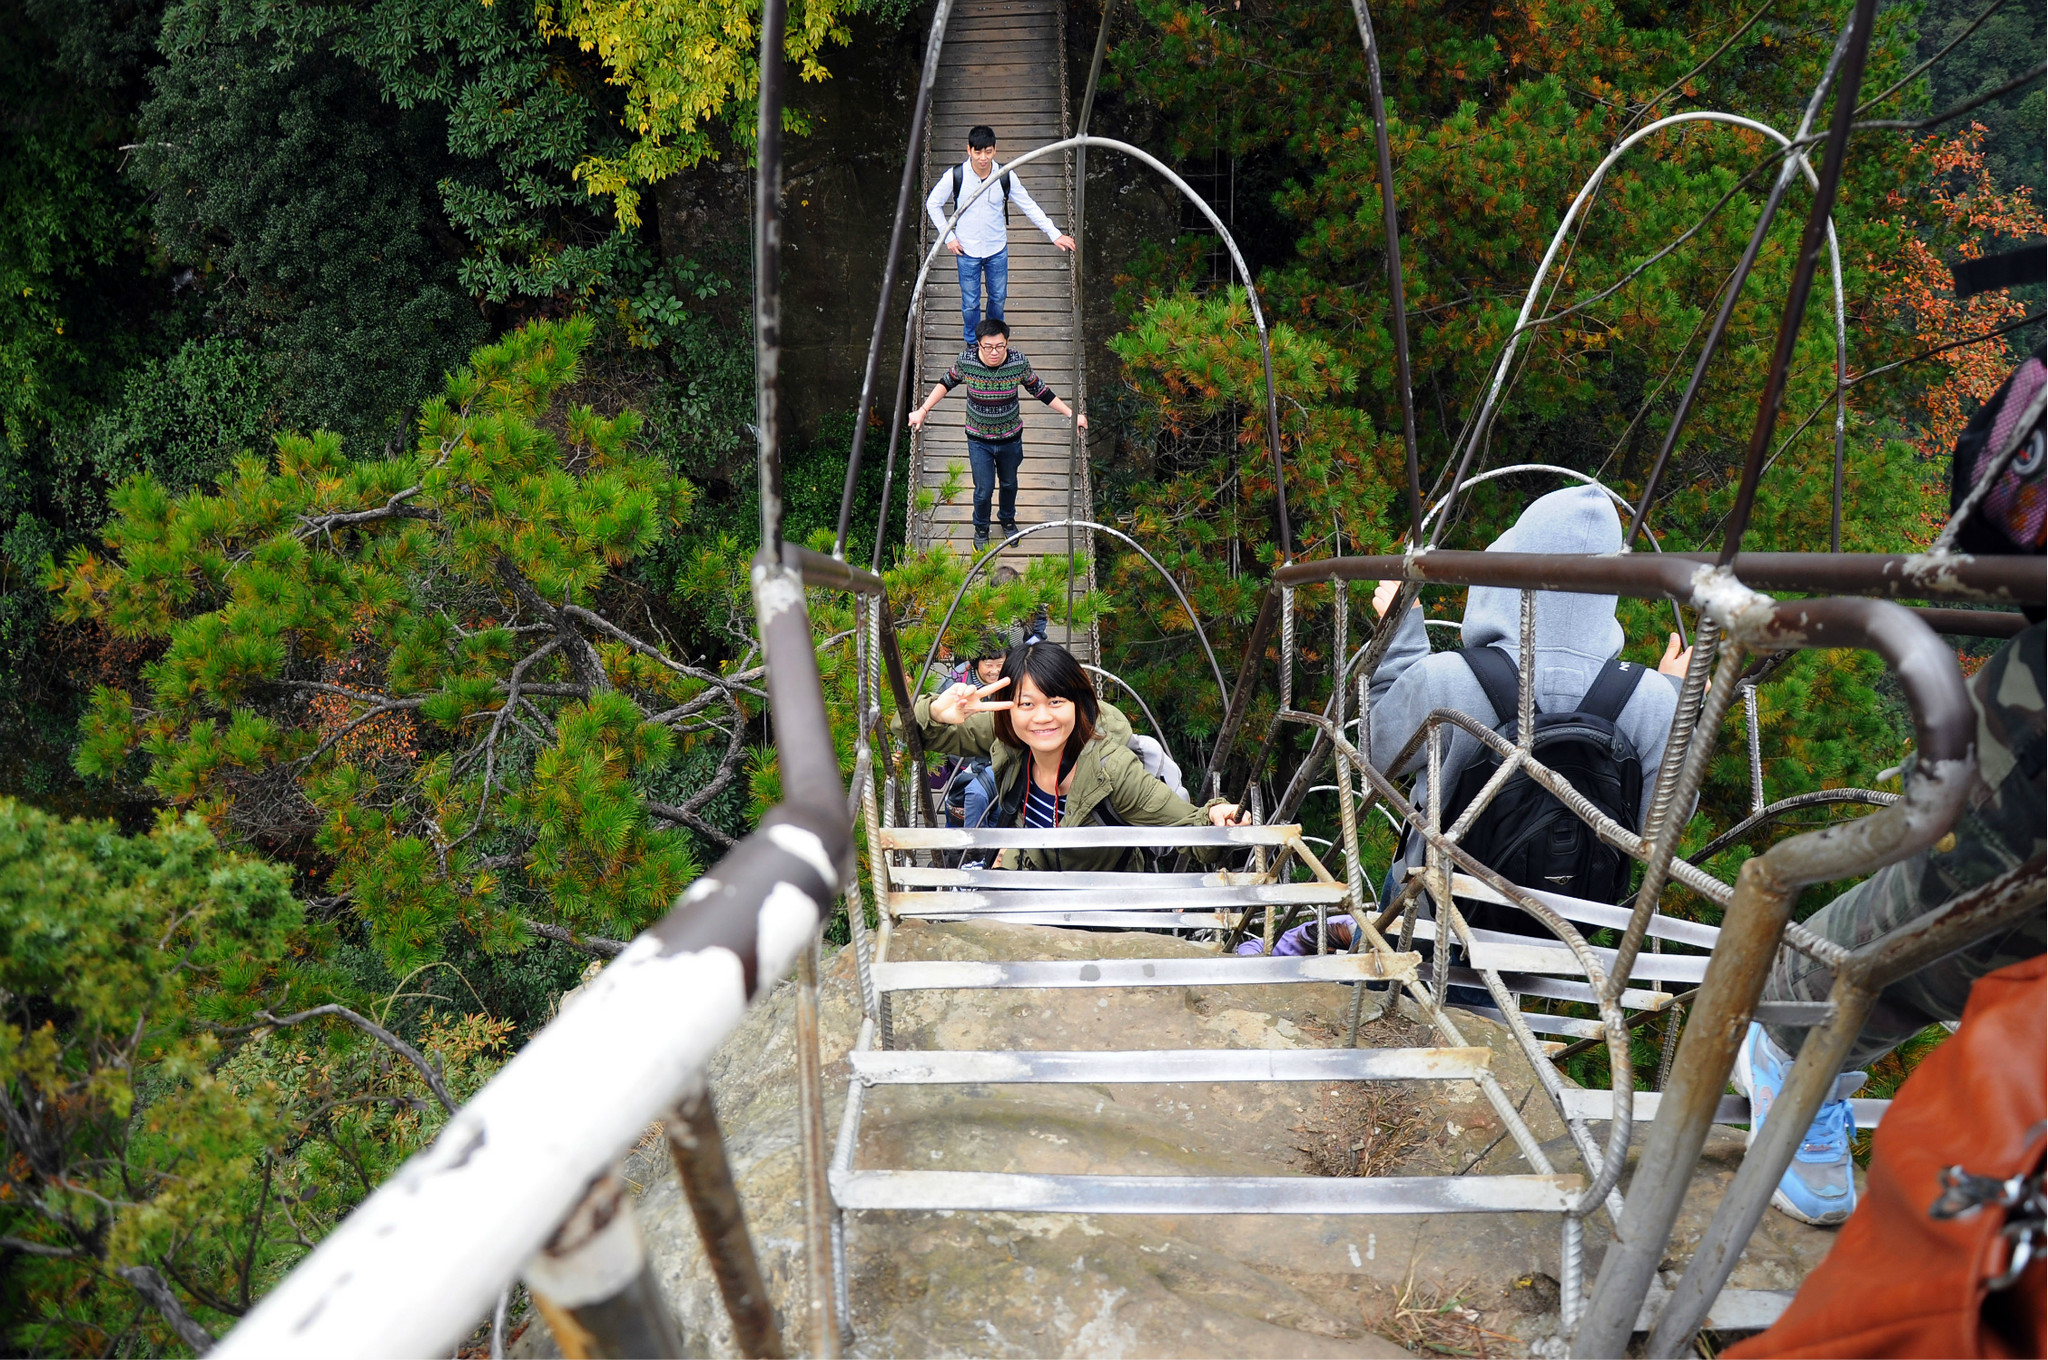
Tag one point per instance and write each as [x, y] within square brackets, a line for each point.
[1579, 520]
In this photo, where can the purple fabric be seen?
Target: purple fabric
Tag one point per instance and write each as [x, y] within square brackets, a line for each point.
[1293, 943]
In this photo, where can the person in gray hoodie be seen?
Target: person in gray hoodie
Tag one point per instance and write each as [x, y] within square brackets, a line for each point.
[1575, 636]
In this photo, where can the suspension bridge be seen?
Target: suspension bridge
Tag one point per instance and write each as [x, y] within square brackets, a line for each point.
[518, 1186]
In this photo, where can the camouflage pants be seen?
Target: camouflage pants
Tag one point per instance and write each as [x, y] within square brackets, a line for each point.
[2001, 827]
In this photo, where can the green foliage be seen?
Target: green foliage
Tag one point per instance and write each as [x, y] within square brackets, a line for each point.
[126, 1145]
[72, 294]
[400, 640]
[683, 64]
[306, 204]
[151, 1122]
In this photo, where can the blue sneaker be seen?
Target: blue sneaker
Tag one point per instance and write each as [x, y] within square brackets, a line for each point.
[1820, 1185]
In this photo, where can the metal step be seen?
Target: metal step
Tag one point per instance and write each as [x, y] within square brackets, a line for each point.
[1732, 1109]
[1118, 899]
[1734, 1310]
[1802, 1014]
[923, 876]
[1083, 837]
[1561, 989]
[1507, 954]
[950, 1067]
[989, 1191]
[1592, 913]
[1104, 920]
[1230, 971]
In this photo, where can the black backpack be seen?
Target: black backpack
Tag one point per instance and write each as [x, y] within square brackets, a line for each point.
[1526, 835]
[1009, 188]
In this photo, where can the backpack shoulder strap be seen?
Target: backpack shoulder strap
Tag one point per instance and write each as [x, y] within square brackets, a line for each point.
[1611, 689]
[1497, 676]
[959, 178]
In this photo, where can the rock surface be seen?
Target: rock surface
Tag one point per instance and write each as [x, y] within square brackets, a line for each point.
[1111, 1285]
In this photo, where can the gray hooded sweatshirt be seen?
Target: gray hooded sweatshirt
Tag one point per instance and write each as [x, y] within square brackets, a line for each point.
[1575, 636]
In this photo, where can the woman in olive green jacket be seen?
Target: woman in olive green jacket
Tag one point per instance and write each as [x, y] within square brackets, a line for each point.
[1059, 758]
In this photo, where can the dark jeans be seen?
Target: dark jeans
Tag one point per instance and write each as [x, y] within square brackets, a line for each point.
[2001, 828]
[997, 267]
[993, 462]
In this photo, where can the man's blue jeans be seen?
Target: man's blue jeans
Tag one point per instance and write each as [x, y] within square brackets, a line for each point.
[992, 463]
[997, 267]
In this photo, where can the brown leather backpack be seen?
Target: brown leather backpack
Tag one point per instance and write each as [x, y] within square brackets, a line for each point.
[1902, 1282]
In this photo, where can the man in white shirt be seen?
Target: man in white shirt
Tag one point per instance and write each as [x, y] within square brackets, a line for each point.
[981, 239]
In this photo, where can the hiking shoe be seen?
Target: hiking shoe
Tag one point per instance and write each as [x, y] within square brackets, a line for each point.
[980, 539]
[1009, 529]
[1820, 1185]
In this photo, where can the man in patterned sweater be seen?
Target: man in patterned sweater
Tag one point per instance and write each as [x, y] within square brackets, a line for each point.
[995, 418]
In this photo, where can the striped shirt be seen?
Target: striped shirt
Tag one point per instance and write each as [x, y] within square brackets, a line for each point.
[1042, 810]
[993, 412]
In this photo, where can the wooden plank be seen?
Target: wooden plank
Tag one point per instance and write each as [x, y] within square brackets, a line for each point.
[1001, 67]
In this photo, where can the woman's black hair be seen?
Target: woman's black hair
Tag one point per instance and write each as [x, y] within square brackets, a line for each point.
[1058, 676]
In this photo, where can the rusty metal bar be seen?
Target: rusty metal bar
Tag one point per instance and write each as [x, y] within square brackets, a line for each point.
[829, 573]
[821, 1289]
[1847, 85]
[899, 689]
[1247, 684]
[906, 195]
[1818, 798]
[1986, 910]
[1945, 732]
[1985, 623]
[1673, 575]
[697, 1146]
[592, 1284]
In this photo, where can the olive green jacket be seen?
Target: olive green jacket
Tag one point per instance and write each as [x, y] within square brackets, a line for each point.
[1109, 786]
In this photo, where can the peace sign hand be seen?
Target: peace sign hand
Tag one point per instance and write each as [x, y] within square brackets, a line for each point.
[961, 702]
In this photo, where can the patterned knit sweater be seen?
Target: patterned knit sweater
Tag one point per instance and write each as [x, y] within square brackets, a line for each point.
[992, 408]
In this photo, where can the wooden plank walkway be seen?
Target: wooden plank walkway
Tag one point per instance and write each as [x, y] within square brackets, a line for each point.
[1005, 65]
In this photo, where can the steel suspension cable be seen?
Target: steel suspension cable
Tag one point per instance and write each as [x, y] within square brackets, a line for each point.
[1391, 225]
[1817, 225]
[905, 193]
[1731, 294]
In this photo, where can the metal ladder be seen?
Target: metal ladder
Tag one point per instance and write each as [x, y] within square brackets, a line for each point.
[1214, 901]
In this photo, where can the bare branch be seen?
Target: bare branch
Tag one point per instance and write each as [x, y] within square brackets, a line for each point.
[648, 649]
[589, 944]
[375, 1031]
[1936, 119]
[28, 1248]
[669, 812]
[313, 526]
[576, 649]
[153, 1288]
[393, 706]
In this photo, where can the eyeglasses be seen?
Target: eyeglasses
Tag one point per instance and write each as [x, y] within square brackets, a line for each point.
[992, 342]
